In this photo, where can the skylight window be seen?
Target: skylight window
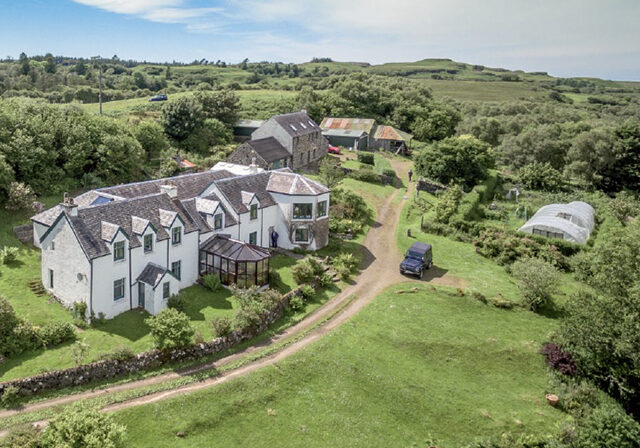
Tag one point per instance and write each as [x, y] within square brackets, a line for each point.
[303, 126]
[293, 127]
[310, 123]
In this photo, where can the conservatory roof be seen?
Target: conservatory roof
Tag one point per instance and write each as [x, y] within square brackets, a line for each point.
[233, 249]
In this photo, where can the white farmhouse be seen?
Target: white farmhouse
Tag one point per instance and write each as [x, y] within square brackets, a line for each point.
[135, 245]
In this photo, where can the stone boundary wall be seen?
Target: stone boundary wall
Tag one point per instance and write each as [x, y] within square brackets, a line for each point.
[24, 233]
[431, 187]
[108, 369]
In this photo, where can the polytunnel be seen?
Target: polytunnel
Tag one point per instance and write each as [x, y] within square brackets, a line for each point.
[572, 222]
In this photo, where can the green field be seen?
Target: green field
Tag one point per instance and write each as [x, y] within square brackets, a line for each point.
[407, 369]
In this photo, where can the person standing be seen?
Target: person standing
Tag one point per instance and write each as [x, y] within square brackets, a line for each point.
[410, 173]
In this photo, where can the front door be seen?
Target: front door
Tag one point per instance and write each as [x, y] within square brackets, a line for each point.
[141, 295]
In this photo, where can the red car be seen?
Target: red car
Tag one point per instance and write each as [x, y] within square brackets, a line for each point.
[334, 150]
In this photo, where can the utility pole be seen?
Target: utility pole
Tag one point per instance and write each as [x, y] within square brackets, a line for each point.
[99, 64]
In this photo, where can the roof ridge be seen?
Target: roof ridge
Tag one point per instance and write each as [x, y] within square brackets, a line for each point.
[141, 182]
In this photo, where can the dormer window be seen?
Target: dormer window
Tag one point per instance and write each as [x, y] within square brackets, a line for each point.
[253, 212]
[148, 242]
[176, 235]
[217, 221]
[118, 251]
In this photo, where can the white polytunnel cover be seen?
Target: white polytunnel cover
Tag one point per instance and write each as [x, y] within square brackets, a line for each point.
[572, 222]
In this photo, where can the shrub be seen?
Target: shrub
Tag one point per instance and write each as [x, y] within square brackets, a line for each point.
[608, 426]
[537, 281]
[79, 351]
[366, 157]
[122, 353]
[20, 196]
[55, 333]
[24, 437]
[479, 297]
[306, 270]
[559, 360]
[8, 321]
[9, 398]
[307, 292]
[325, 280]
[343, 271]
[8, 254]
[83, 426]
[177, 302]
[170, 328]
[212, 282]
[500, 302]
[222, 326]
[448, 202]
[296, 303]
[79, 310]
[365, 175]
[253, 306]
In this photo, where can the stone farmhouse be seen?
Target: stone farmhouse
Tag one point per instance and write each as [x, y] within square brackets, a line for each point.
[295, 133]
[134, 245]
[364, 133]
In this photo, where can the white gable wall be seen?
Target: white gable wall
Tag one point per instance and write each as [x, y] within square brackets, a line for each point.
[105, 271]
[71, 268]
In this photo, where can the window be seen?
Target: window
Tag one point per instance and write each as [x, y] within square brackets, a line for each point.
[51, 278]
[322, 209]
[176, 269]
[253, 212]
[166, 290]
[253, 238]
[276, 164]
[118, 250]
[302, 211]
[302, 235]
[217, 221]
[148, 242]
[176, 235]
[118, 289]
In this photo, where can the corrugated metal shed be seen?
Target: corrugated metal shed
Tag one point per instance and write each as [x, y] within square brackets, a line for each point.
[353, 124]
[391, 133]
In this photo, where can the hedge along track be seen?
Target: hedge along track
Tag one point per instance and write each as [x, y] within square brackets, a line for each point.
[380, 271]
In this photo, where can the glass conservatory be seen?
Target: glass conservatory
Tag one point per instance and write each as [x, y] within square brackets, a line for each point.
[235, 262]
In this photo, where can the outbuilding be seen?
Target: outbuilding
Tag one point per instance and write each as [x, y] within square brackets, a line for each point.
[347, 138]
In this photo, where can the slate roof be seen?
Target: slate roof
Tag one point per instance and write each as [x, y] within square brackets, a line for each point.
[349, 124]
[88, 225]
[48, 216]
[152, 274]
[269, 149]
[189, 186]
[297, 123]
[233, 188]
[391, 133]
[234, 249]
[287, 182]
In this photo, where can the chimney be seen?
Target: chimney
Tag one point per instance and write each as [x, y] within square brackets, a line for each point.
[169, 189]
[304, 111]
[253, 168]
[69, 206]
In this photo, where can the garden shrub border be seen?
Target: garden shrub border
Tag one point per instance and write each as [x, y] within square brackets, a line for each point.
[114, 368]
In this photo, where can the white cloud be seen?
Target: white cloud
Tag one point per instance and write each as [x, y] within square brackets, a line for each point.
[131, 6]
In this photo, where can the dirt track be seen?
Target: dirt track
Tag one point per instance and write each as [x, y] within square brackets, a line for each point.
[380, 271]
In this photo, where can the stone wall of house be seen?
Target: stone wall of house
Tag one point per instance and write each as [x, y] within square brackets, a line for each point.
[108, 369]
[308, 149]
[245, 154]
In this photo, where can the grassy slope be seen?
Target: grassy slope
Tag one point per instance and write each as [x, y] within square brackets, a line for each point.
[406, 367]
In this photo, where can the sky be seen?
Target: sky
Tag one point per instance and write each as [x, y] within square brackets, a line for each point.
[599, 38]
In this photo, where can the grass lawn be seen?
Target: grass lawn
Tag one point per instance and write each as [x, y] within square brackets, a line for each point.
[405, 369]
[456, 258]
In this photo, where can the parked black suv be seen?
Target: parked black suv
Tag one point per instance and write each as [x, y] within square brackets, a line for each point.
[418, 259]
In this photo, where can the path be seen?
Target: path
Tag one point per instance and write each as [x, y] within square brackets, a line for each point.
[382, 260]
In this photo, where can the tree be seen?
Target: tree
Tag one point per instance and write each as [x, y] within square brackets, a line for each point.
[591, 155]
[544, 143]
[608, 426]
[211, 133]
[139, 80]
[151, 137]
[80, 68]
[437, 123]
[488, 129]
[464, 160]
[540, 176]
[82, 426]
[170, 328]
[222, 105]
[448, 202]
[50, 63]
[331, 174]
[181, 117]
[20, 196]
[537, 280]
[23, 61]
[6, 177]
